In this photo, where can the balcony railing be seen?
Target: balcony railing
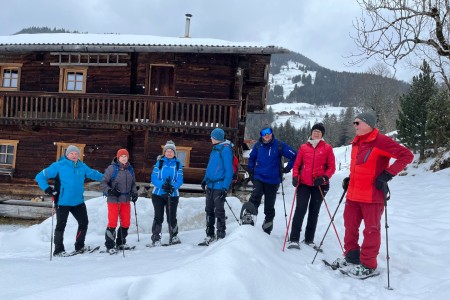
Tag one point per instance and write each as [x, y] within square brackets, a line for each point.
[106, 110]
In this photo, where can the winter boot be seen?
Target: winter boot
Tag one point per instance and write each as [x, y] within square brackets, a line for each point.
[352, 256]
[121, 239]
[59, 245]
[110, 236]
[267, 226]
[79, 239]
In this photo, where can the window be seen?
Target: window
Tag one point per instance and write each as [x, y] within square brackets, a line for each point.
[61, 148]
[8, 150]
[183, 155]
[72, 80]
[10, 77]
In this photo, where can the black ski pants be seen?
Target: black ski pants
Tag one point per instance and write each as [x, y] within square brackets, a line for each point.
[159, 203]
[308, 199]
[215, 208]
[269, 191]
[79, 212]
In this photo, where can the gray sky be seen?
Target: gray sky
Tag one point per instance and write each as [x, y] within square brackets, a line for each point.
[318, 29]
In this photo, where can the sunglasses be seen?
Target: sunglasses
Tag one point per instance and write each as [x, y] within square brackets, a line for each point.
[266, 131]
[356, 123]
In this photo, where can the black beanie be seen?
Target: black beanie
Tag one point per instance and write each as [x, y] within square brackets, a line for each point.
[319, 126]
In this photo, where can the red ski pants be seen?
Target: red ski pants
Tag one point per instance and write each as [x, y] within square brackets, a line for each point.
[119, 209]
[371, 213]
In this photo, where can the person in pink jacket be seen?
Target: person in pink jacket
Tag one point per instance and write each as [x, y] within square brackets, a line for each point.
[313, 168]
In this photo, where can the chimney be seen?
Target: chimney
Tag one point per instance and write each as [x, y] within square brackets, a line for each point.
[188, 23]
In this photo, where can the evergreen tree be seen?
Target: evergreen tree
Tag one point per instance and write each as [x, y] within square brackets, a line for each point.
[438, 120]
[412, 119]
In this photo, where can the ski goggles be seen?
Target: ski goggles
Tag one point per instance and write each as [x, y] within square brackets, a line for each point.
[265, 131]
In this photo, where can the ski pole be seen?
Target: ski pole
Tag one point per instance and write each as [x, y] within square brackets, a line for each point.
[51, 233]
[329, 225]
[284, 203]
[232, 211]
[290, 217]
[169, 215]
[331, 218]
[387, 196]
[135, 215]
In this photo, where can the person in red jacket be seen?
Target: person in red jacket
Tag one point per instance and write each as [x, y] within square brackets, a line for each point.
[366, 191]
[313, 168]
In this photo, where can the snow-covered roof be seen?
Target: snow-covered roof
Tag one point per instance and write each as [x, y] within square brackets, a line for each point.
[128, 43]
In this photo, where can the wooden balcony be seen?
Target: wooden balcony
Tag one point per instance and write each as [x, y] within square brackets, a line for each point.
[168, 114]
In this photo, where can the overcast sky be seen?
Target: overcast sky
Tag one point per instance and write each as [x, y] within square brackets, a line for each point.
[318, 29]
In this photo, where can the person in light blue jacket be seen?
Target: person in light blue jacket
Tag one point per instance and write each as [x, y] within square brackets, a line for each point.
[69, 174]
[216, 183]
[167, 177]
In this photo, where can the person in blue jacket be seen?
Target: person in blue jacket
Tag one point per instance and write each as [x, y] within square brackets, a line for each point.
[216, 183]
[167, 177]
[69, 174]
[266, 172]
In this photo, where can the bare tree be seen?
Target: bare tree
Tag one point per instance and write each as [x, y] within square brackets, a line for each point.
[391, 30]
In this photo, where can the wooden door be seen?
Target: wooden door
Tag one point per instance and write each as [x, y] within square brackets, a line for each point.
[162, 82]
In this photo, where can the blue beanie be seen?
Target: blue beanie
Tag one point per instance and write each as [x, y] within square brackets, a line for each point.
[218, 134]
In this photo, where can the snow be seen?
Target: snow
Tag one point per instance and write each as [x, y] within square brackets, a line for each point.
[116, 39]
[287, 72]
[303, 113]
[247, 264]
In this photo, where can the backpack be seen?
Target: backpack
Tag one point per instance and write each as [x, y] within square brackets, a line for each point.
[235, 162]
[116, 171]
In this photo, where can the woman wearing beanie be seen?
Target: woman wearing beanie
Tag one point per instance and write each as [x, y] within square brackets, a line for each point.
[167, 177]
[313, 168]
[119, 185]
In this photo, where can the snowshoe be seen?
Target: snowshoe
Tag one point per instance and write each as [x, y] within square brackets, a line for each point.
[360, 272]
[293, 245]
[208, 240]
[313, 245]
[248, 214]
[154, 244]
[175, 240]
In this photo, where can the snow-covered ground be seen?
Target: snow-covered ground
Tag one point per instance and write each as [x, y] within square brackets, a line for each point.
[247, 264]
[304, 113]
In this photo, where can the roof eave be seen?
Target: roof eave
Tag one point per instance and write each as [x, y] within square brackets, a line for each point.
[143, 48]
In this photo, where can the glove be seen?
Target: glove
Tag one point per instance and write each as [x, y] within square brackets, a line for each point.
[168, 188]
[203, 184]
[224, 192]
[115, 192]
[295, 181]
[382, 180]
[134, 197]
[286, 170]
[345, 183]
[250, 176]
[50, 191]
[320, 180]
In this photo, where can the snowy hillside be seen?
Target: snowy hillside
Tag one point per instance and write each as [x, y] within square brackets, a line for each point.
[247, 264]
[287, 73]
[299, 114]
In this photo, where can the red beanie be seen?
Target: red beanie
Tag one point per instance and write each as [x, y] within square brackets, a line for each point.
[123, 152]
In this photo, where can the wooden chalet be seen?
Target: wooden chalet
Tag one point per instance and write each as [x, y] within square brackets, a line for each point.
[105, 92]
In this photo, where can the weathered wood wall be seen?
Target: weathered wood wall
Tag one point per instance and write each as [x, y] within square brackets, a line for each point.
[36, 149]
